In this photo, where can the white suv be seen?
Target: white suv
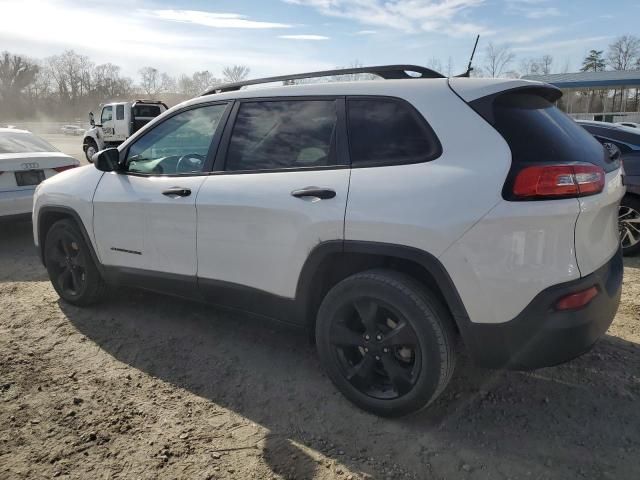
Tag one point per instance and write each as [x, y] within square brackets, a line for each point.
[391, 217]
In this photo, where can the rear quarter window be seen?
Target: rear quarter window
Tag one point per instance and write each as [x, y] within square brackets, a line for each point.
[388, 131]
[538, 132]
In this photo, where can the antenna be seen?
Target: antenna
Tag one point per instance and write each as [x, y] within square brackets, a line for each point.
[467, 74]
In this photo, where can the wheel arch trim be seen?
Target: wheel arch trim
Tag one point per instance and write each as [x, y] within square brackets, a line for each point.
[70, 213]
[429, 262]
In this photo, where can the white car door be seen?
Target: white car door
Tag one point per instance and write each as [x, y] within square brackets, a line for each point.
[280, 189]
[145, 215]
[106, 121]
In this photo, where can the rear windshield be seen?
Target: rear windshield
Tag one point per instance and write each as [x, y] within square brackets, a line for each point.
[146, 111]
[14, 142]
[539, 132]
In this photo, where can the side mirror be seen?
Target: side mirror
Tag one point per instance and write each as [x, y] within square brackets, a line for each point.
[92, 122]
[107, 160]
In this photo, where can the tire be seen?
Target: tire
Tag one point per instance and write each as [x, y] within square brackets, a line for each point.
[90, 150]
[629, 224]
[367, 359]
[70, 266]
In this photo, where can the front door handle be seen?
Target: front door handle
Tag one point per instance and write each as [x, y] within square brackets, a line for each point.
[321, 193]
[177, 192]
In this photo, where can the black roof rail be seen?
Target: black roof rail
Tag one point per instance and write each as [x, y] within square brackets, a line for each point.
[388, 72]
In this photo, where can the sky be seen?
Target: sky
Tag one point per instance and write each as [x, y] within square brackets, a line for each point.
[285, 36]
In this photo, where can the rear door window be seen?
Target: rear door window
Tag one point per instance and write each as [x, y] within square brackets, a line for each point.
[119, 112]
[386, 131]
[283, 134]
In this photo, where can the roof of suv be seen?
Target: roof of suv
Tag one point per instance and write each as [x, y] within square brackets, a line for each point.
[468, 88]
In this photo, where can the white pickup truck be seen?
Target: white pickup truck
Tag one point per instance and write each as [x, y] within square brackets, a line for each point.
[118, 121]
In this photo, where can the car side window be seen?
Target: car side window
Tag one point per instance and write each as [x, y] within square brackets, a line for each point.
[387, 131]
[107, 114]
[179, 145]
[280, 134]
[119, 112]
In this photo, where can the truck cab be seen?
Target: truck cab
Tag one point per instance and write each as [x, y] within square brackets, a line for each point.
[117, 122]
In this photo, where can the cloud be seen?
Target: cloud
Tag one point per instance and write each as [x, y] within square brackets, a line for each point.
[410, 16]
[212, 19]
[550, 46]
[529, 35]
[533, 9]
[136, 39]
[543, 13]
[365, 32]
[303, 37]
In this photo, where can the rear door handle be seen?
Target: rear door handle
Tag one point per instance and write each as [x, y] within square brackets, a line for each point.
[177, 192]
[318, 192]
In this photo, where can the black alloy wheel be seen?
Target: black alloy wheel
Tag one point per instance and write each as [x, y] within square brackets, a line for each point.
[70, 265]
[377, 349]
[386, 342]
[67, 264]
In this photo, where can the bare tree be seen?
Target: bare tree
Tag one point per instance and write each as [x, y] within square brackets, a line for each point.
[196, 84]
[235, 73]
[497, 59]
[529, 66]
[167, 83]
[449, 67]
[149, 80]
[624, 53]
[434, 64]
[107, 82]
[69, 70]
[546, 64]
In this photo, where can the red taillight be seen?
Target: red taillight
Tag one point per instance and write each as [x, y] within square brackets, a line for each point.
[548, 181]
[64, 167]
[577, 300]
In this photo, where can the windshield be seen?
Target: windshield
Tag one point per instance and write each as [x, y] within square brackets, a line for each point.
[19, 142]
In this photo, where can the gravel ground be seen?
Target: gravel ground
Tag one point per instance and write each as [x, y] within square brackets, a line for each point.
[145, 386]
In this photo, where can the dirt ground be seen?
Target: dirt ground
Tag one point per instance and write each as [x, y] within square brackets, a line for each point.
[145, 386]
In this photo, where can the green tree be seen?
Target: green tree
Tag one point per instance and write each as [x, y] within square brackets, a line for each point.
[594, 62]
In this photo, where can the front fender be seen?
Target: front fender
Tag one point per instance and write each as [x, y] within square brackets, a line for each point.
[72, 190]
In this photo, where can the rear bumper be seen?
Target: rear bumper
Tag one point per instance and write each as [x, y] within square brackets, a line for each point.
[541, 336]
[17, 202]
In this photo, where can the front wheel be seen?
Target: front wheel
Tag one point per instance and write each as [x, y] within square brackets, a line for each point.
[71, 268]
[629, 224]
[386, 342]
[90, 150]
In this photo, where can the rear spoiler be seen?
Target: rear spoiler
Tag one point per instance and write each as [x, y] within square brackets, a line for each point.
[483, 104]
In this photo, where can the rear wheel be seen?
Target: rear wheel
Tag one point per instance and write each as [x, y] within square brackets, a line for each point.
[629, 224]
[385, 342]
[71, 269]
